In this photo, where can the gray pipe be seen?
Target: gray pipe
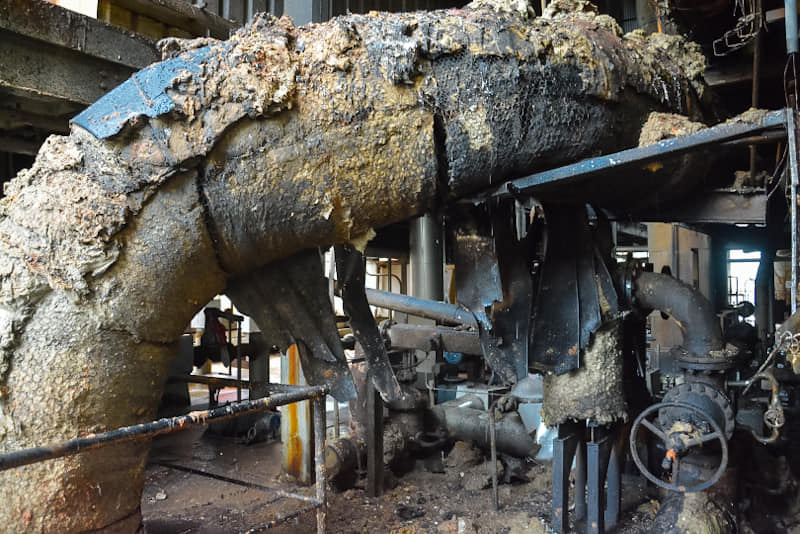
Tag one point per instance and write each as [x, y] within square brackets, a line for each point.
[688, 307]
[427, 258]
[790, 20]
[429, 309]
[469, 424]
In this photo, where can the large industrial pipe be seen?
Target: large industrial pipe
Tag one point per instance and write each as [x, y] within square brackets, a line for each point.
[472, 425]
[231, 155]
[692, 311]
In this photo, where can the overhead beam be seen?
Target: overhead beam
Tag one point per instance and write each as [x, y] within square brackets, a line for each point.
[183, 15]
[41, 69]
[61, 27]
[720, 207]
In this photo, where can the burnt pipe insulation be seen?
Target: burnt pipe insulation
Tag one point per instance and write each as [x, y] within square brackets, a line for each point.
[239, 154]
[692, 311]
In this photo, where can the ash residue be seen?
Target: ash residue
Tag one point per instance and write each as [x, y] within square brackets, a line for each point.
[570, 10]
[660, 126]
[751, 116]
[594, 391]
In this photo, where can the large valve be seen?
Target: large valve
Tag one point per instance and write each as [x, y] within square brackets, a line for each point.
[678, 440]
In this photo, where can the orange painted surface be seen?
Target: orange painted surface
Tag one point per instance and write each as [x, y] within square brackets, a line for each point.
[294, 445]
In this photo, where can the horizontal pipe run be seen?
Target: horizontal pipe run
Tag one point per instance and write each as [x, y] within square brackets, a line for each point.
[281, 519]
[243, 483]
[429, 309]
[424, 337]
[160, 427]
[467, 424]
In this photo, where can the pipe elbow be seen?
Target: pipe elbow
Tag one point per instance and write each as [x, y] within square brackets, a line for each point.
[687, 306]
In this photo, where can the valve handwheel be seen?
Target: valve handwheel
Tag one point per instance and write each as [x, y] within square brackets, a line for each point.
[673, 443]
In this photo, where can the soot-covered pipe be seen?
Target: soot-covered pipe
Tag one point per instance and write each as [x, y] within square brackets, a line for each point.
[692, 311]
[229, 156]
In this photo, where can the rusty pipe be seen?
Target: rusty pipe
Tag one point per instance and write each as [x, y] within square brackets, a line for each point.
[692, 311]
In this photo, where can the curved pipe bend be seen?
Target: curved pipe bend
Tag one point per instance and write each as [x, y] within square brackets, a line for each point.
[688, 307]
[244, 153]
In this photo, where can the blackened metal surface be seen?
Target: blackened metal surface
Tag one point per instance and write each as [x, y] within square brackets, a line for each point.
[720, 207]
[424, 337]
[570, 437]
[478, 280]
[511, 318]
[598, 454]
[693, 311]
[289, 301]
[568, 306]
[480, 289]
[351, 273]
[608, 172]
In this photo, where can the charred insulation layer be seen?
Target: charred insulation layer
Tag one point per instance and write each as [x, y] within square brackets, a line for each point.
[278, 140]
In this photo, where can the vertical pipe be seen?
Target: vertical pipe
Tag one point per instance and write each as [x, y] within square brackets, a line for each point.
[229, 340]
[336, 419]
[226, 9]
[427, 260]
[763, 297]
[493, 448]
[790, 20]
[239, 361]
[755, 88]
[250, 10]
[319, 462]
[791, 130]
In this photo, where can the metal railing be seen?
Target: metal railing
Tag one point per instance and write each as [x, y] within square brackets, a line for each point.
[280, 395]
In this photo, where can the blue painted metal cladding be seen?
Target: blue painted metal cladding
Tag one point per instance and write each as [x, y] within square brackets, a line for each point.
[727, 131]
[142, 94]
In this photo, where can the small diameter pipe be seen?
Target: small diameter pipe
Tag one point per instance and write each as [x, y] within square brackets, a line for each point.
[493, 447]
[790, 20]
[429, 309]
[157, 428]
[319, 462]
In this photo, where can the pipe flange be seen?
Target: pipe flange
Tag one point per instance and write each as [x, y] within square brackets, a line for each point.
[704, 397]
[721, 360]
